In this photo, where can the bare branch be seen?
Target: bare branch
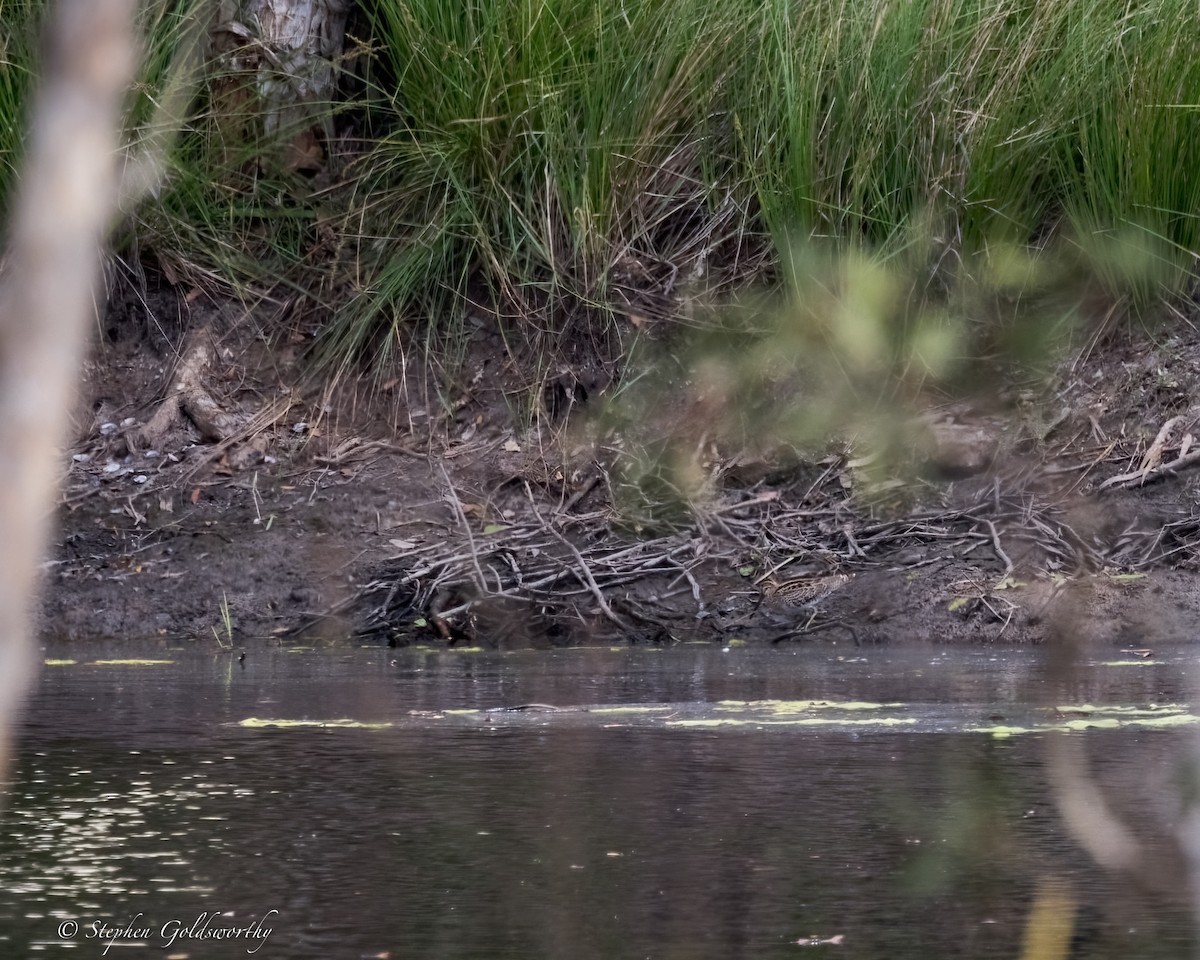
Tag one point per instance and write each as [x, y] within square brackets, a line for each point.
[67, 197]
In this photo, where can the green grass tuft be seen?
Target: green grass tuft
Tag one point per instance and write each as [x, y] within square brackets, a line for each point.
[560, 164]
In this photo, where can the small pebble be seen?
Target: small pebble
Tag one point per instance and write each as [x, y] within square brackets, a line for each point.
[111, 467]
[108, 429]
[82, 457]
[140, 478]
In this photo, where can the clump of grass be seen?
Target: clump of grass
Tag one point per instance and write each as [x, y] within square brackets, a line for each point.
[1127, 160]
[20, 21]
[1001, 119]
[554, 149]
[224, 636]
[539, 154]
[241, 212]
[560, 164]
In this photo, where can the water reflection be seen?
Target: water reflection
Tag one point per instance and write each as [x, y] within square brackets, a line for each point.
[137, 794]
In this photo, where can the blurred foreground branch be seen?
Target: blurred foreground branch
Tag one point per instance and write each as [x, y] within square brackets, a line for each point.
[66, 199]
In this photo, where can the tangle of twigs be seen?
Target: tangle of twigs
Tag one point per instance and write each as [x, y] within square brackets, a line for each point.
[565, 577]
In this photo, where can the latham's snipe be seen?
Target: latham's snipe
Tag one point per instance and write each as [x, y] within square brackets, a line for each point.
[803, 593]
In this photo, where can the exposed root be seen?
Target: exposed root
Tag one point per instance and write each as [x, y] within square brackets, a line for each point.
[1152, 466]
[189, 397]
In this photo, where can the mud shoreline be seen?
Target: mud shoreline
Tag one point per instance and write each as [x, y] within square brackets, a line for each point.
[361, 514]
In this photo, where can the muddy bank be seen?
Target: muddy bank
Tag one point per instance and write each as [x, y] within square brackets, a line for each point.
[368, 511]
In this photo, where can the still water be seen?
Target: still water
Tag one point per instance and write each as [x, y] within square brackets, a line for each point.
[145, 811]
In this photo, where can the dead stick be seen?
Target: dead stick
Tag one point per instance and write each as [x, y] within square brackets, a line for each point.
[480, 582]
[1140, 478]
[580, 494]
[1008, 564]
[587, 573]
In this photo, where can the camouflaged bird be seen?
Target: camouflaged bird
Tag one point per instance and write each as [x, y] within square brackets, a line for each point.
[802, 593]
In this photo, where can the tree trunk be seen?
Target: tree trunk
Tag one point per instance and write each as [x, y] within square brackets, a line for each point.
[280, 69]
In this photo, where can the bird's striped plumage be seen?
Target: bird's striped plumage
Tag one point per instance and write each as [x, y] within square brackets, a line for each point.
[798, 593]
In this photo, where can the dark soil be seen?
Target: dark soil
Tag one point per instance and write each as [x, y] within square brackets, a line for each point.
[393, 512]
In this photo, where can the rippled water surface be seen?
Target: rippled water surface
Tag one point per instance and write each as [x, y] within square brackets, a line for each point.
[698, 828]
